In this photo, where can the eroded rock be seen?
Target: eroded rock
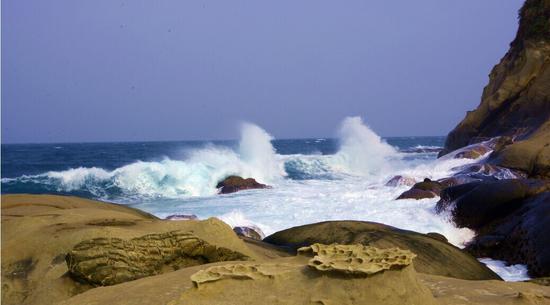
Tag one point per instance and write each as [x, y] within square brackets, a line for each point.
[109, 261]
[239, 271]
[401, 180]
[356, 259]
[421, 190]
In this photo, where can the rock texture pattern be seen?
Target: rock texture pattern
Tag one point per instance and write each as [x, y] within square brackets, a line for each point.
[110, 261]
[356, 259]
[516, 102]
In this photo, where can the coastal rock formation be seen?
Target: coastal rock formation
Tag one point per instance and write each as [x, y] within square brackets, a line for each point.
[475, 204]
[234, 184]
[356, 259]
[508, 215]
[39, 230]
[182, 217]
[433, 255]
[521, 237]
[109, 261]
[516, 102]
[252, 232]
[421, 190]
[338, 274]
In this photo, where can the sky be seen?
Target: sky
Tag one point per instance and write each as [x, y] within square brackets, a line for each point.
[105, 70]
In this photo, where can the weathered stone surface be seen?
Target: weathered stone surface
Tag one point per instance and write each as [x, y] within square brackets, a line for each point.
[356, 259]
[110, 261]
[516, 102]
[240, 271]
[250, 232]
[234, 184]
[433, 256]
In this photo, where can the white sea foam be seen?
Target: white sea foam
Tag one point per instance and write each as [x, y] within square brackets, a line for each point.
[346, 185]
[511, 273]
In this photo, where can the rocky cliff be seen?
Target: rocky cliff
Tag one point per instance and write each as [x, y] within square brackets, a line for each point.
[516, 102]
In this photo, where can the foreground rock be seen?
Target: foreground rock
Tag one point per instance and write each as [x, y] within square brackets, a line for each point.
[433, 255]
[516, 102]
[109, 261]
[299, 280]
[234, 184]
[39, 230]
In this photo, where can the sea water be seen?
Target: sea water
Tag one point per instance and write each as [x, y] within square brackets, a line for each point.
[312, 180]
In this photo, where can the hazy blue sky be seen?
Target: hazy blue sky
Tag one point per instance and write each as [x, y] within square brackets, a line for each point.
[104, 70]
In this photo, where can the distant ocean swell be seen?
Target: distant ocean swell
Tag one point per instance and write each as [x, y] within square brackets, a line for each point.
[362, 153]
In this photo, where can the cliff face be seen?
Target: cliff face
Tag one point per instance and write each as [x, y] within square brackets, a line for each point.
[516, 102]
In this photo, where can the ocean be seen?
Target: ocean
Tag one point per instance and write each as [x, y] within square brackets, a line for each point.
[311, 180]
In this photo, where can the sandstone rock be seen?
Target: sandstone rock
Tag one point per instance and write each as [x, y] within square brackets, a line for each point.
[472, 152]
[433, 256]
[356, 259]
[110, 261]
[250, 232]
[234, 184]
[515, 103]
[401, 180]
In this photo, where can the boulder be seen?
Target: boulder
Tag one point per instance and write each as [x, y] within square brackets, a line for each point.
[421, 190]
[401, 180]
[475, 204]
[252, 232]
[234, 184]
[521, 237]
[472, 152]
[433, 255]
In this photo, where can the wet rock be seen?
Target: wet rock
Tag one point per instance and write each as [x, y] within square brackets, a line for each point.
[421, 190]
[475, 204]
[472, 152]
[521, 237]
[250, 232]
[234, 184]
[182, 217]
[110, 261]
[433, 255]
[401, 180]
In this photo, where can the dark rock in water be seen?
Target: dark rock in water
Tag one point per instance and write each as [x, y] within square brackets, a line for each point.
[400, 180]
[421, 190]
[109, 261]
[416, 194]
[485, 171]
[516, 101]
[521, 237]
[456, 180]
[250, 232]
[234, 184]
[434, 256]
[182, 217]
[475, 204]
[437, 236]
